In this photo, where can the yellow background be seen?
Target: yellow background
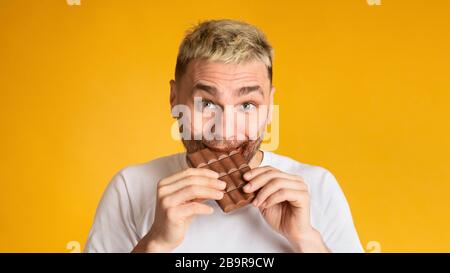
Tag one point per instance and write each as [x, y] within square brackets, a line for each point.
[363, 91]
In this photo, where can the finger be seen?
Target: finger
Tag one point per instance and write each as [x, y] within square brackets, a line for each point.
[214, 183]
[296, 198]
[276, 184]
[249, 175]
[188, 172]
[189, 193]
[262, 178]
[188, 210]
[256, 171]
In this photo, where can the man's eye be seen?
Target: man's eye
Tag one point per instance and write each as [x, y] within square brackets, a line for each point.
[248, 106]
[207, 104]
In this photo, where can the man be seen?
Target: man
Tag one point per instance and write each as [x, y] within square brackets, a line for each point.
[223, 67]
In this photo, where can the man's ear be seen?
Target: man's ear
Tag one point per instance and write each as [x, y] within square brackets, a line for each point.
[173, 94]
[269, 115]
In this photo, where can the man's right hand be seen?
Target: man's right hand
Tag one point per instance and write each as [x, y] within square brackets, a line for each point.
[179, 200]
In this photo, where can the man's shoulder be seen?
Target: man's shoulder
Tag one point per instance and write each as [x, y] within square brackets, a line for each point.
[154, 169]
[290, 165]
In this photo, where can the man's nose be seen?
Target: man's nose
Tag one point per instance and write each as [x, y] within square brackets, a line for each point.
[228, 124]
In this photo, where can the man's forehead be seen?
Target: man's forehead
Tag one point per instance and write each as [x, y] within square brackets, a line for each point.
[253, 72]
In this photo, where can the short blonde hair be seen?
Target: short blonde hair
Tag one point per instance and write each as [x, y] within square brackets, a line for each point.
[229, 41]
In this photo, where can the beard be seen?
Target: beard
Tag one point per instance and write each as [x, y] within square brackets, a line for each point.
[248, 148]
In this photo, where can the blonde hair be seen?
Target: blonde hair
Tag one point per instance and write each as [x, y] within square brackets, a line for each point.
[229, 41]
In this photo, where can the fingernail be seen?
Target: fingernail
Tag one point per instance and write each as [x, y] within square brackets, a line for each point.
[255, 202]
[222, 184]
[248, 187]
[247, 175]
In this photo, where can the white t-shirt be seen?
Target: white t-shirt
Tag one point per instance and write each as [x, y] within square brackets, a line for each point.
[126, 212]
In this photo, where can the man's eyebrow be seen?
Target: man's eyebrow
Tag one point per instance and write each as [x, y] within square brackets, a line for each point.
[207, 88]
[248, 89]
[241, 91]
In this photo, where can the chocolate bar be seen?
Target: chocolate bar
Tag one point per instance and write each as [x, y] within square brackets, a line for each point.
[230, 167]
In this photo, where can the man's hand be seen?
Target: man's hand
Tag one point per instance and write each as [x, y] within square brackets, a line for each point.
[283, 200]
[179, 198]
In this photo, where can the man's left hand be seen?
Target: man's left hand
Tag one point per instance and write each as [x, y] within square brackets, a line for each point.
[283, 199]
